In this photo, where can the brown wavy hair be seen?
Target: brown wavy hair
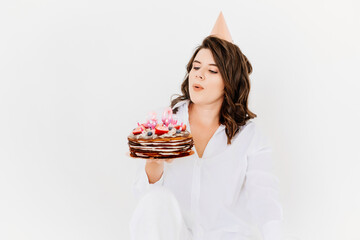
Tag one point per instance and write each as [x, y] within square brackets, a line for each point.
[235, 69]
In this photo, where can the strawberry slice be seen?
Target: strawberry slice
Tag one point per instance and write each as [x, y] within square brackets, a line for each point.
[137, 131]
[161, 129]
[177, 126]
[143, 126]
[183, 128]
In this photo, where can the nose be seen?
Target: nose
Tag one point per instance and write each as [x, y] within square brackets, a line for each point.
[199, 75]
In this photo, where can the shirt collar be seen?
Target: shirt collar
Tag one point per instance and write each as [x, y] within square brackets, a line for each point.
[180, 103]
[218, 141]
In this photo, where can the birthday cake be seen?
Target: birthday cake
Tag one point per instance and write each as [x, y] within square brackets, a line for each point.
[167, 139]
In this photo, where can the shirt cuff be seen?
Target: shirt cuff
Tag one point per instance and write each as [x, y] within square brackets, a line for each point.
[142, 185]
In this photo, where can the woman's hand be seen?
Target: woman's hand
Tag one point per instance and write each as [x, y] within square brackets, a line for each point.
[159, 160]
[155, 167]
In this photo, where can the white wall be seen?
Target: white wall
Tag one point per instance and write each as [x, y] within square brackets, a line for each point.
[76, 76]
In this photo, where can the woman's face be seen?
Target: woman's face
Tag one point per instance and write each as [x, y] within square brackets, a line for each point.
[206, 85]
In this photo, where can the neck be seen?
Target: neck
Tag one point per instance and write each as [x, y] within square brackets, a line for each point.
[205, 114]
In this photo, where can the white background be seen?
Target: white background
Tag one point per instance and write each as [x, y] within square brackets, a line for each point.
[76, 76]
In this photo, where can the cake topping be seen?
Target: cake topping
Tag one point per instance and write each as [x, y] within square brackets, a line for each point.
[159, 130]
[137, 131]
[152, 129]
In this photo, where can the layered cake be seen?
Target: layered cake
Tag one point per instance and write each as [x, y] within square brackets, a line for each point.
[160, 140]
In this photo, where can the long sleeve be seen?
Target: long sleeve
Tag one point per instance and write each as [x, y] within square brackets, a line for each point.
[262, 188]
[141, 183]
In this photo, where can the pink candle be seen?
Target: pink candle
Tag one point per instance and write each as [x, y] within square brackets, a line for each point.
[167, 116]
[152, 121]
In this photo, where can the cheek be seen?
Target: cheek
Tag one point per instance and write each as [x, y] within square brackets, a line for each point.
[218, 85]
[191, 75]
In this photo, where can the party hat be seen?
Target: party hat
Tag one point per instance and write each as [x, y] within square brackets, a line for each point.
[220, 29]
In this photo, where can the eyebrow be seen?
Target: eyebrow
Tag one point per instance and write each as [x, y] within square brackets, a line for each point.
[212, 64]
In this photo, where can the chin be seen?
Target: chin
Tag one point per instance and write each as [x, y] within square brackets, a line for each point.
[198, 100]
[203, 100]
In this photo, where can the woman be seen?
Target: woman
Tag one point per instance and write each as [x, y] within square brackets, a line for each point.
[226, 190]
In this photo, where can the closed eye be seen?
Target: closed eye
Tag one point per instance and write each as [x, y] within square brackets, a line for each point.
[197, 68]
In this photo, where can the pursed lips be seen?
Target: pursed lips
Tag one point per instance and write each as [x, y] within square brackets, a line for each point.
[198, 86]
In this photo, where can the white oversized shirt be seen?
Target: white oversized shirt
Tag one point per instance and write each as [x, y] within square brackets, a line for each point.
[227, 193]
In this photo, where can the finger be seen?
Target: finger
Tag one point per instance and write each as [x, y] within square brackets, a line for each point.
[150, 160]
[154, 160]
